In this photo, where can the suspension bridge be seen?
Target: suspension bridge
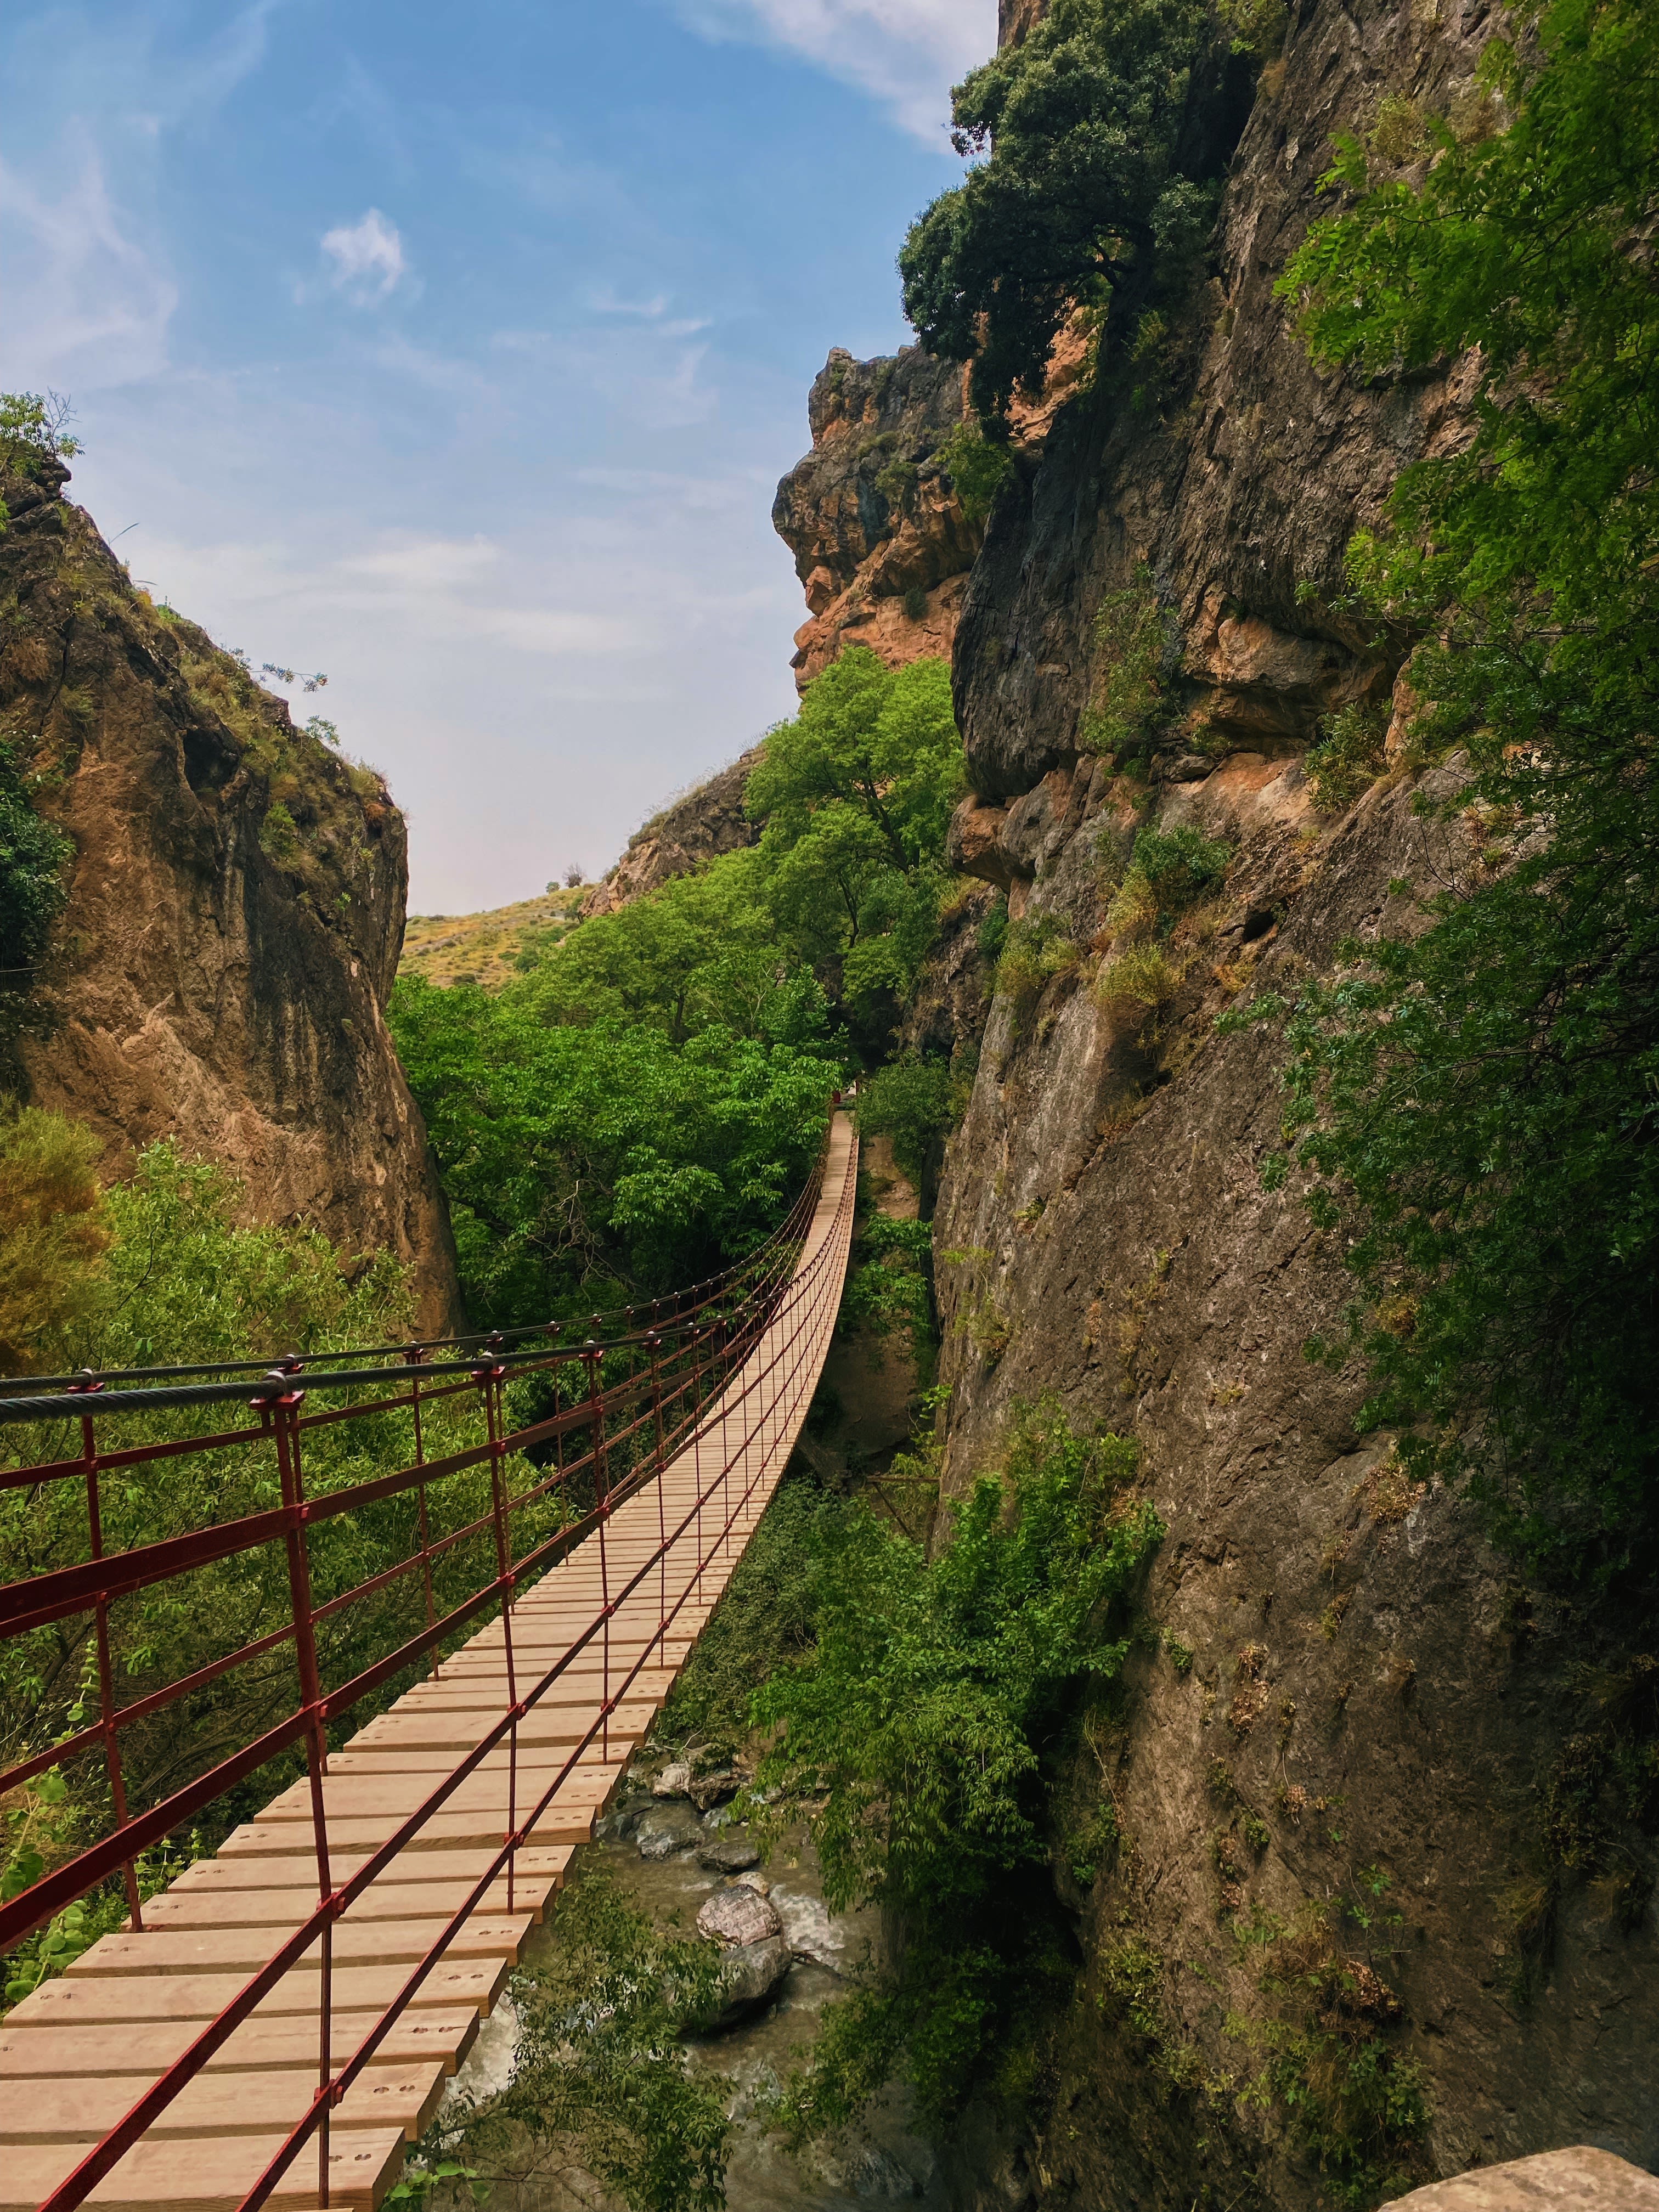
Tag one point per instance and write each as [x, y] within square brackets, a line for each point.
[277, 2024]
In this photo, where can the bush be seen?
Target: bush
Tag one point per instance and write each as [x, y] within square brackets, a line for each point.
[1136, 655]
[54, 1230]
[1137, 983]
[599, 2082]
[1474, 1094]
[1035, 951]
[913, 1734]
[33, 855]
[977, 467]
[910, 1101]
[1348, 759]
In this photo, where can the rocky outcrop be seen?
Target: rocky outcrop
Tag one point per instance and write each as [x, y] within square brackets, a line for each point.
[707, 821]
[235, 913]
[881, 544]
[1331, 1777]
[1581, 2179]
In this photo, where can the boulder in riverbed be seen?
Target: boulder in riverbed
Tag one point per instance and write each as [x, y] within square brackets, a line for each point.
[667, 1829]
[739, 1915]
[731, 1855]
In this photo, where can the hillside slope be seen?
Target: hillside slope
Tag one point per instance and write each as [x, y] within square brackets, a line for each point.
[236, 912]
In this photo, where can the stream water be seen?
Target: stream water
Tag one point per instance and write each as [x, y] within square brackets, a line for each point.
[884, 2160]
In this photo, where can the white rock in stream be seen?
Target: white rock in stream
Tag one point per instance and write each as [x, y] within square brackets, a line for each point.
[808, 1927]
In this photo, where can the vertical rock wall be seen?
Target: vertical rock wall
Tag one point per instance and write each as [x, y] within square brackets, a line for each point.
[236, 908]
[1343, 1749]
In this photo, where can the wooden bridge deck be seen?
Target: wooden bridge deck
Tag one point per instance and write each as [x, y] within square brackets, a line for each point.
[76, 2054]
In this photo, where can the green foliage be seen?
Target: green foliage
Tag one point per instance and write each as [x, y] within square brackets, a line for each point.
[1137, 653]
[1331, 2072]
[887, 1280]
[910, 1101]
[1035, 951]
[856, 794]
[31, 431]
[643, 1101]
[602, 1164]
[766, 1613]
[35, 854]
[54, 1230]
[1475, 1101]
[913, 1732]
[599, 2082]
[1179, 867]
[1104, 135]
[182, 1281]
[279, 834]
[1348, 759]
[40, 1823]
[977, 467]
[992, 933]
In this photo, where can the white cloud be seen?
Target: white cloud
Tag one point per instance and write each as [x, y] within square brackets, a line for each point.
[87, 307]
[368, 257]
[906, 53]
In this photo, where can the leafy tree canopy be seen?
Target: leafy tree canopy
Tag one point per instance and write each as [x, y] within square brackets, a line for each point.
[1104, 137]
[591, 1165]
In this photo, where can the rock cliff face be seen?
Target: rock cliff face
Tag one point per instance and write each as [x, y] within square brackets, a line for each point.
[236, 912]
[1333, 1780]
[882, 546]
[707, 821]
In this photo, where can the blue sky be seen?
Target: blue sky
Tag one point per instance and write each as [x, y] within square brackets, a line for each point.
[455, 350]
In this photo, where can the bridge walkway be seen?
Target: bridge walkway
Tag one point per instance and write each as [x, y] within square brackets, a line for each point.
[76, 2054]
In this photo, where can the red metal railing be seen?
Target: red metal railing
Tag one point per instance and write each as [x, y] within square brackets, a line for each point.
[686, 1375]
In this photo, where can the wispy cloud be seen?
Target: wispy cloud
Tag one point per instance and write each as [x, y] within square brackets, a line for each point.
[87, 304]
[368, 258]
[650, 376]
[906, 53]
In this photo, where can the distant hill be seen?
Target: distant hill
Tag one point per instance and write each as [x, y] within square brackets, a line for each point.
[480, 948]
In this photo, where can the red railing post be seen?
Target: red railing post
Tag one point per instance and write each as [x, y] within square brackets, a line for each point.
[118, 1791]
[283, 1414]
[602, 1505]
[414, 1358]
[653, 1345]
[489, 1378]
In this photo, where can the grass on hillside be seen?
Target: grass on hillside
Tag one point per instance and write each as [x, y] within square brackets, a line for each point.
[479, 948]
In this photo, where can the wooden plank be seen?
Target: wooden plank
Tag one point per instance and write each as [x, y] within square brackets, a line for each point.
[149, 2047]
[568, 1824]
[402, 1729]
[210, 2174]
[460, 1864]
[368, 1796]
[79, 2110]
[278, 1909]
[110, 1999]
[366, 1943]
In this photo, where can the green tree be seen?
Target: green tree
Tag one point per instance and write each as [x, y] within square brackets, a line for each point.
[54, 1230]
[599, 2082]
[1104, 135]
[598, 1164]
[1477, 1098]
[913, 1732]
[856, 794]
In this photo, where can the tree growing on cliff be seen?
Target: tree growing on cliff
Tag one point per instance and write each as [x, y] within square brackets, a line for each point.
[1103, 137]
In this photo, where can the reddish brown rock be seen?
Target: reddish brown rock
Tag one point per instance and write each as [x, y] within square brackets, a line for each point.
[236, 909]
